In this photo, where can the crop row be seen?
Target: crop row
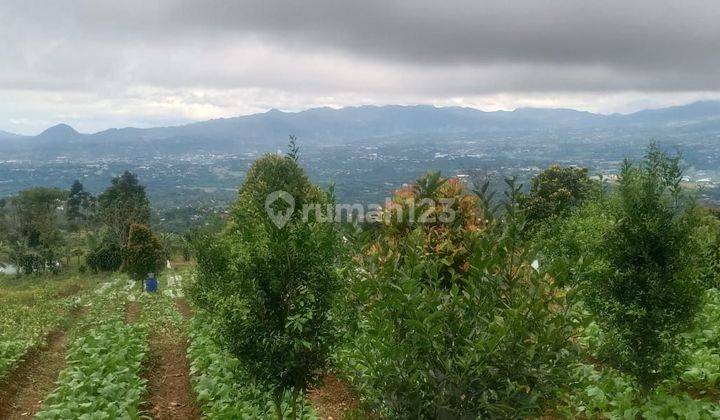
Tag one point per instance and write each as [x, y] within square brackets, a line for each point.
[103, 379]
[159, 311]
[30, 313]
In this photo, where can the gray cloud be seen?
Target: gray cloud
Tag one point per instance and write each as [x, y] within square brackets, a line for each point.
[356, 52]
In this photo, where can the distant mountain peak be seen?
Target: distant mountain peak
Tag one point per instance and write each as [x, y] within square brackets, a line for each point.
[61, 128]
[60, 131]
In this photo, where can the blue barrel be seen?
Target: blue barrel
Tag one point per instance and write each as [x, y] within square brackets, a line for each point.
[151, 284]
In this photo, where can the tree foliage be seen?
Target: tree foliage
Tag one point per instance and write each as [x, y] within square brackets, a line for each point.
[144, 252]
[80, 204]
[555, 192]
[270, 288]
[33, 235]
[646, 287]
[123, 204]
[107, 256]
[449, 319]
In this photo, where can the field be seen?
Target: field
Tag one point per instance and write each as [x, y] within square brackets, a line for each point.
[577, 300]
[96, 346]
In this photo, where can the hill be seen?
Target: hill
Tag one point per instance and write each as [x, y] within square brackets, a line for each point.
[321, 126]
[4, 135]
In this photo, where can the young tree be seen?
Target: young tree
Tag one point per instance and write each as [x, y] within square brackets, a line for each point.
[269, 286]
[4, 250]
[4, 229]
[556, 191]
[171, 242]
[123, 204]
[646, 289]
[144, 252]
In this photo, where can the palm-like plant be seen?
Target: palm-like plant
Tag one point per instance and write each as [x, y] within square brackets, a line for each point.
[4, 251]
[170, 242]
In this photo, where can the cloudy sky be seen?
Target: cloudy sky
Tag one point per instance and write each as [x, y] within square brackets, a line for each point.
[96, 64]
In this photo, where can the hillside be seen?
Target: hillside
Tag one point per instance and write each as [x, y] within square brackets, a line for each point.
[321, 126]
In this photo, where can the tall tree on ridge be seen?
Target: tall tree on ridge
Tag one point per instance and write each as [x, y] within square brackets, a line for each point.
[79, 204]
[122, 204]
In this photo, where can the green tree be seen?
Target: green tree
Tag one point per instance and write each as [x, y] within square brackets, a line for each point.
[104, 256]
[144, 252]
[33, 230]
[270, 288]
[122, 204]
[5, 251]
[710, 271]
[185, 244]
[555, 192]
[646, 287]
[4, 228]
[79, 205]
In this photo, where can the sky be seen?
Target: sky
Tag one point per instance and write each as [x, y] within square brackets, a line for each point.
[96, 64]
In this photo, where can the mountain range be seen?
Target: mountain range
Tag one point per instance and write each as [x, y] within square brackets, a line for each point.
[322, 126]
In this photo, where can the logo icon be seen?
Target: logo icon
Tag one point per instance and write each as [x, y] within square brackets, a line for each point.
[280, 218]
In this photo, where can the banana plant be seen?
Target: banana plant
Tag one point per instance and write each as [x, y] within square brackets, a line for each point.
[4, 251]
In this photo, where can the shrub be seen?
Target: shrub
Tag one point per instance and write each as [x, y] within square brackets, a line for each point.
[708, 236]
[555, 192]
[106, 257]
[646, 287]
[269, 289]
[451, 320]
[565, 246]
[144, 253]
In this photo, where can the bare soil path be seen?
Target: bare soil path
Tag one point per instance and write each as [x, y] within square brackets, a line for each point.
[132, 313]
[184, 307]
[171, 393]
[333, 399]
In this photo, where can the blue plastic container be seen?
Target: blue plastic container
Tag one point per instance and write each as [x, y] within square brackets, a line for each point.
[151, 284]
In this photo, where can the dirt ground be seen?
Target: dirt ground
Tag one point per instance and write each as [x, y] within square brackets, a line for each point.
[333, 400]
[171, 394]
[132, 312]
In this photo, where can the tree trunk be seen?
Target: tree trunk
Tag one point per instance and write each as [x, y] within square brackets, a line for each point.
[278, 405]
[293, 412]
